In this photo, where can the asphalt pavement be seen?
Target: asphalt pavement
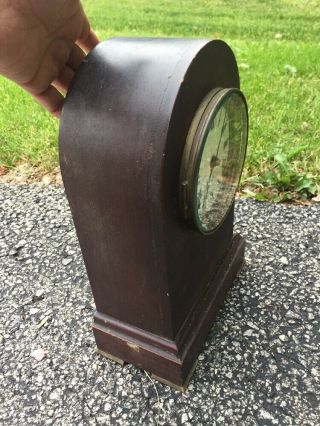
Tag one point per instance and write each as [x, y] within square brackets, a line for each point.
[260, 364]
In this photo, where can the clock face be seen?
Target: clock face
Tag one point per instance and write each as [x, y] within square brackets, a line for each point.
[213, 158]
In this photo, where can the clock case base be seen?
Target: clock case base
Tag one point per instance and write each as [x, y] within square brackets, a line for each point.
[171, 362]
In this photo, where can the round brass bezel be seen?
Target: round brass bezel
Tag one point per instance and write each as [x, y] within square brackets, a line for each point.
[192, 154]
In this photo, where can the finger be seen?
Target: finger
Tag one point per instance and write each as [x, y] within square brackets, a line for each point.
[62, 83]
[88, 42]
[51, 99]
[77, 55]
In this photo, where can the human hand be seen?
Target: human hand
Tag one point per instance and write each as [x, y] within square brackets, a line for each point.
[42, 43]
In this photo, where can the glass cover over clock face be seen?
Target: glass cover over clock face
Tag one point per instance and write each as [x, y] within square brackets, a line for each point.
[216, 155]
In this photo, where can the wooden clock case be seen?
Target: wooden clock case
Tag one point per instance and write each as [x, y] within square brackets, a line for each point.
[157, 282]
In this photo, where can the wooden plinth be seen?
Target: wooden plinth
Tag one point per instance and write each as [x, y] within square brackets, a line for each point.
[170, 361]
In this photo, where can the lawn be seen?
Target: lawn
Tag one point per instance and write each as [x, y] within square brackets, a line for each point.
[277, 45]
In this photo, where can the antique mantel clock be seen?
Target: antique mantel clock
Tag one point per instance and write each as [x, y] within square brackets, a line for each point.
[152, 143]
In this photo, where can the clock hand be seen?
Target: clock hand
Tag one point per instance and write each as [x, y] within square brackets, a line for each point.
[222, 130]
[215, 161]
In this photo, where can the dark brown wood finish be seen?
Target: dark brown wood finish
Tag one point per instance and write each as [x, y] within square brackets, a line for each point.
[156, 282]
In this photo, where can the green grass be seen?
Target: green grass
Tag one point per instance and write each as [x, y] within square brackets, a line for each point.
[280, 77]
